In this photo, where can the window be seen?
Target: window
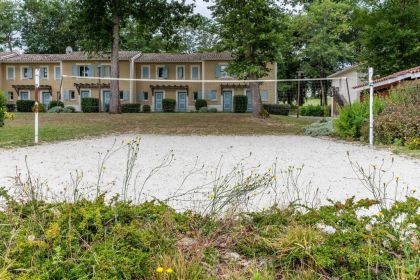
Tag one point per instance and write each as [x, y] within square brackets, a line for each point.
[162, 72]
[11, 95]
[195, 95]
[72, 94]
[43, 73]
[105, 71]
[145, 72]
[84, 93]
[180, 72]
[212, 95]
[195, 72]
[57, 72]
[26, 73]
[10, 75]
[24, 95]
[223, 71]
[84, 71]
[144, 96]
[264, 95]
[123, 95]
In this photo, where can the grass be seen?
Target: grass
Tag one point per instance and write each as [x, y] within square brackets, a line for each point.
[59, 127]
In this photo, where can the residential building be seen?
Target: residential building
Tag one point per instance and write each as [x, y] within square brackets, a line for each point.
[147, 78]
[348, 78]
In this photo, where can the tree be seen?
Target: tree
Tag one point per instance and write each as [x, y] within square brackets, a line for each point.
[324, 39]
[48, 26]
[9, 25]
[100, 23]
[250, 30]
[390, 36]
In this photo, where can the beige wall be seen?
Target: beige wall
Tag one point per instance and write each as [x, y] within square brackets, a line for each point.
[6, 85]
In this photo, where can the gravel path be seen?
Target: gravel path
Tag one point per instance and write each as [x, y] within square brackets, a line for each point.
[325, 162]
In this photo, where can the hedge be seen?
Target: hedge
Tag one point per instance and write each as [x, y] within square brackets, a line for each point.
[11, 107]
[168, 105]
[90, 105]
[277, 109]
[146, 108]
[312, 110]
[41, 108]
[240, 103]
[130, 108]
[200, 103]
[24, 105]
[55, 103]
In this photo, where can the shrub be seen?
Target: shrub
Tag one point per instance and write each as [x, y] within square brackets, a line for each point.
[55, 103]
[199, 103]
[130, 108]
[203, 110]
[3, 109]
[413, 144]
[168, 105]
[90, 105]
[312, 110]
[70, 109]
[277, 109]
[146, 108]
[24, 105]
[41, 108]
[11, 107]
[212, 110]
[240, 103]
[352, 118]
[322, 128]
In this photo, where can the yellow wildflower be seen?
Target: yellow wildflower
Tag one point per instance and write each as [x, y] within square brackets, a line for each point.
[274, 177]
[211, 196]
[169, 270]
[397, 178]
[159, 269]
[379, 214]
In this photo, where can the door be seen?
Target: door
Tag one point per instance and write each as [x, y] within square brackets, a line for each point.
[158, 101]
[106, 97]
[249, 104]
[182, 101]
[46, 99]
[227, 101]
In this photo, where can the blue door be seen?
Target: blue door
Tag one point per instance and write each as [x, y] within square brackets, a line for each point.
[105, 100]
[182, 101]
[249, 104]
[227, 101]
[158, 101]
[46, 99]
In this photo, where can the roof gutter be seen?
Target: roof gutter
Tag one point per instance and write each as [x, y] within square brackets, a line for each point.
[132, 61]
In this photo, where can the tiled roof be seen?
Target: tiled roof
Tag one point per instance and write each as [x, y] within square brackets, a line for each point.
[342, 71]
[74, 56]
[183, 57]
[124, 55]
[7, 54]
[412, 73]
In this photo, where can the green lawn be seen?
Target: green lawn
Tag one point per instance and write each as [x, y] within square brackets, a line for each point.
[57, 127]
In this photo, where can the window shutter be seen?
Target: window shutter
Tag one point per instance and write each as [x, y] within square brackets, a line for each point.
[200, 95]
[29, 73]
[214, 94]
[66, 95]
[140, 96]
[90, 70]
[195, 73]
[125, 95]
[57, 72]
[218, 71]
[264, 95]
[165, 72]
[74, 70]
[10, 73]
[145, 72]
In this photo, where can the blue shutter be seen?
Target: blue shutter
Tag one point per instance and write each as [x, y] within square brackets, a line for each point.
[66, 95]
[218, 71]
[74, 70]
[29, 73]
[145, 74]
[214, 94]
[200, 95]
[90, 70]
[195, 73]
[165, 72]
[140, 96]
[10, 73]
[58, 72]
[125, 95]
[264, 95]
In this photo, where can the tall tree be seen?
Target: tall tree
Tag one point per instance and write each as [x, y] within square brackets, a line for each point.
[250, 30]
[391, 34]
[102, 20]
[10, 25]
[48, 26]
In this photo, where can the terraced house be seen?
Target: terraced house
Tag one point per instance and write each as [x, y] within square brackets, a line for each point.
[146, 78]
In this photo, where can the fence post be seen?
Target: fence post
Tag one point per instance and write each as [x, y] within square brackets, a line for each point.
[36, 108]
[371, 106]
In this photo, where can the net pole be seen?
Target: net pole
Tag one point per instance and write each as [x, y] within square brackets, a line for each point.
[370, 106]
[36, 108]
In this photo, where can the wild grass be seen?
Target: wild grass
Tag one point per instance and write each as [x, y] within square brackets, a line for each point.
[133, 237]
[59, 127]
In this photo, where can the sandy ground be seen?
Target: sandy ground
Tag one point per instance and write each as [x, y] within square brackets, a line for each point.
[325, 163]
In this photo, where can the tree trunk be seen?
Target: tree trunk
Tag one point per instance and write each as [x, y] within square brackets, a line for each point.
[256, 99]
[114, 102]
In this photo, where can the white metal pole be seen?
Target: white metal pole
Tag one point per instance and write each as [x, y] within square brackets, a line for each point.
[371, 106]
[36, 104]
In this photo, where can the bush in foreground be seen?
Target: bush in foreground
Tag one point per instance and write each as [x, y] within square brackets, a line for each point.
[130, 108]
[277, 109]
[314, 111]
[322, 128]
[55, 103]
[199, 103]
[90, 105]
[168, 105]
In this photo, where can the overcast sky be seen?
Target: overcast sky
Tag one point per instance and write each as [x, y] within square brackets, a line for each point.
[201, 7]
